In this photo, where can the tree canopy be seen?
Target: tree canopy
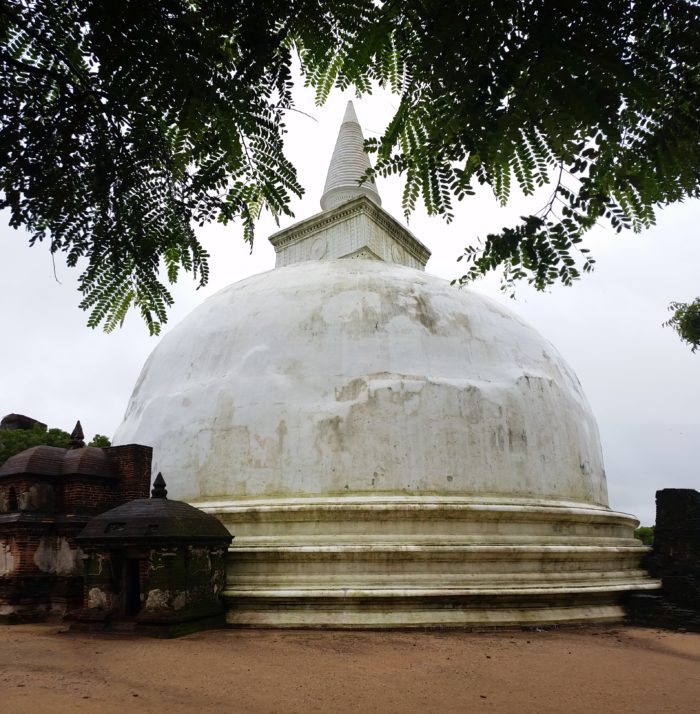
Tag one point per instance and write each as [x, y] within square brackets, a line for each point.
[13, 441]
[122, 125]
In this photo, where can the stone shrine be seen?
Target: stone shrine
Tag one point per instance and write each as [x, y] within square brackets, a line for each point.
[389, 451]
[155, 564]
[47, 495]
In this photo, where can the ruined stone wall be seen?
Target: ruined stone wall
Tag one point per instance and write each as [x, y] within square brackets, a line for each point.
[32, 552]
[675, 560]
[40, 574]
[677, 533]
[21, 547]
[29, 493]
[99, 591]
[41, 566]
[184, 583]
[179, 588]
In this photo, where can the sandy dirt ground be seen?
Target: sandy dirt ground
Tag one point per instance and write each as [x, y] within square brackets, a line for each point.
[602, 669]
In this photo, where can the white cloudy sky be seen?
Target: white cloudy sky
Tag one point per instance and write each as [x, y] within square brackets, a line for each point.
[643, 384]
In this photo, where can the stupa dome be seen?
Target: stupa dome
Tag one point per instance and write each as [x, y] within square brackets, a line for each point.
[388, 450]
[362, 377]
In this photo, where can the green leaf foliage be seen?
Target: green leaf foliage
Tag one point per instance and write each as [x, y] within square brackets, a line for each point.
[123, 124]
[599, 99]
[645, 534]
[13, 441]
[686, 322]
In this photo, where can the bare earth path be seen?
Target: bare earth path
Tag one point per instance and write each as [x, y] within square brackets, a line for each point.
[602, 669]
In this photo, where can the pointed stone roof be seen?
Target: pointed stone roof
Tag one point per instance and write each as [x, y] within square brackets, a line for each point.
[77, 438]
[348, 165]
[159, 490]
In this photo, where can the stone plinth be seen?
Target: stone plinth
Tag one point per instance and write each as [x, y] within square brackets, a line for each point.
[355, 229]
[427, 561]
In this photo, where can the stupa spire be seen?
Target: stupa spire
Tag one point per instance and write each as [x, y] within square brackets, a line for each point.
[348, 166]
[353, 223]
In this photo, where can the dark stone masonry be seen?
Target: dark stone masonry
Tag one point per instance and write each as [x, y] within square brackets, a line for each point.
[675, 560]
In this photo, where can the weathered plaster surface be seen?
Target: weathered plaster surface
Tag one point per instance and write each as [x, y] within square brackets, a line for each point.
[157, 599]
[97, 599]
[362, 377]
[54, 555]
[37, 497]
[7, 559]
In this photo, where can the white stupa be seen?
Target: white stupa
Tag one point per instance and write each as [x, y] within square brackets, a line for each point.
[387, 449]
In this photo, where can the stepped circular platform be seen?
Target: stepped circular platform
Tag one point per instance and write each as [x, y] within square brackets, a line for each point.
[422, 561]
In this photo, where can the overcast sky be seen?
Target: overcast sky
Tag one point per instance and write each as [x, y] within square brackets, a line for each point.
[642, 382]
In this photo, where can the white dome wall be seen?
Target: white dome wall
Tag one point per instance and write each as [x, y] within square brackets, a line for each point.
[357, 376]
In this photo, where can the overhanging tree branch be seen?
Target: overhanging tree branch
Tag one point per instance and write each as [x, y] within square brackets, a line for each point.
[497, 94]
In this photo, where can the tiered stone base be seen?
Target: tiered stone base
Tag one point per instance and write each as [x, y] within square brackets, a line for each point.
[401, 561]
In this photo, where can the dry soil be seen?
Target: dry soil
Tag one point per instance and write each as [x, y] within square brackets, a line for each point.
[43, 668]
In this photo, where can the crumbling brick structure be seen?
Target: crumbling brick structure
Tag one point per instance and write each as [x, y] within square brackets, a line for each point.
[47, 495]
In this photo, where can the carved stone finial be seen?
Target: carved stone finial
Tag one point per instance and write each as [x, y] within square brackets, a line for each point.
[159, 490]
[77, 438]
[348, 165]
